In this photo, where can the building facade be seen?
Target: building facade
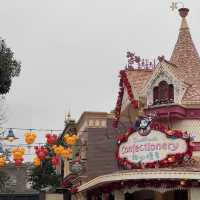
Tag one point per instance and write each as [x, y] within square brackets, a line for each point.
[157, 157]
[92, 130]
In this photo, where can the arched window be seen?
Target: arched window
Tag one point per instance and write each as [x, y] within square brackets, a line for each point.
[163, 93]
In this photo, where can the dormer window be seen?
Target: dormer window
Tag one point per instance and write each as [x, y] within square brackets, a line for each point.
[163, 93]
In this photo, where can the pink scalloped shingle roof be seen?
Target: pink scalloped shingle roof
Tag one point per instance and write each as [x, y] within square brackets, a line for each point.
[186, 58]
[184, 63]
[139, 77]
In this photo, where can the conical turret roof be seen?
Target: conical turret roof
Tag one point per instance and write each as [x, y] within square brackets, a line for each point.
[187, 60]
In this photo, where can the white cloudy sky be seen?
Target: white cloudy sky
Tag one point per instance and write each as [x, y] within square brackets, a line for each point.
[71, 52]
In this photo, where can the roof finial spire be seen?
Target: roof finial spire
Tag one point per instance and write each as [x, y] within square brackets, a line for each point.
[183, 12]
[67, 117]
[175, 4]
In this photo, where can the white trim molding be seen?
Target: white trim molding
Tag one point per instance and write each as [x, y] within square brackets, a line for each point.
[163, 73]
[138, 175]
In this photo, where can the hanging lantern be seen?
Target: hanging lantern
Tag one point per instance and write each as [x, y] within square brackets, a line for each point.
[183, 182]
[2, 161]
[58, 149]
[55, 161]
[18, 153]
[66, 153]
[30, 137]
[41, 152]
[51, 139]
[18, 162]
[41, 155]
[70, 139]
[36, 162]
[11, 137]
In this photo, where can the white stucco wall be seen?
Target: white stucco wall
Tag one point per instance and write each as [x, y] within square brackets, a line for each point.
[54, 197]
[194, 194]
[192, 126]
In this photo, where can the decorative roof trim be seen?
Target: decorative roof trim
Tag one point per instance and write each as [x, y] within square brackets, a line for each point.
[162, 66]
[138, 175]
[191, 102]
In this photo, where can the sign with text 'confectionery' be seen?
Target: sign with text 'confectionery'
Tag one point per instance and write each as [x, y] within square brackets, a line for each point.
[156, 146]
[152, 145]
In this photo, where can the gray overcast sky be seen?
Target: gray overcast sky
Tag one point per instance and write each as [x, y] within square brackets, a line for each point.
[71, 52]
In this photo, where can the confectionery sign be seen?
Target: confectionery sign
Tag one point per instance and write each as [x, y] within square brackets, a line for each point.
[156, 146]
[152, 146]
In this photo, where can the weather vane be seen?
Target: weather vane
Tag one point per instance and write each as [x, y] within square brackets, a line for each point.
[175, 4]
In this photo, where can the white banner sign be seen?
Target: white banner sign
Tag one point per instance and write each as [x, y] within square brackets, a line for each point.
[154, 147]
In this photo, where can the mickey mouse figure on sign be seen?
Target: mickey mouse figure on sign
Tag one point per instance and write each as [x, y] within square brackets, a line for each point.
[143, 122]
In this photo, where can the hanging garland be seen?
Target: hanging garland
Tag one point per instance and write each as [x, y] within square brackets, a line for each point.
[123, 84]
[118, 103]
[48, 157]
[53, 150]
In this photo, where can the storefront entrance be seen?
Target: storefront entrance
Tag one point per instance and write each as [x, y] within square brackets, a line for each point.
[151, 195]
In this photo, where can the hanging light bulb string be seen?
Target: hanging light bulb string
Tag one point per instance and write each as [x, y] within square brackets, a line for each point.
[35, 144]
[33, 129]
